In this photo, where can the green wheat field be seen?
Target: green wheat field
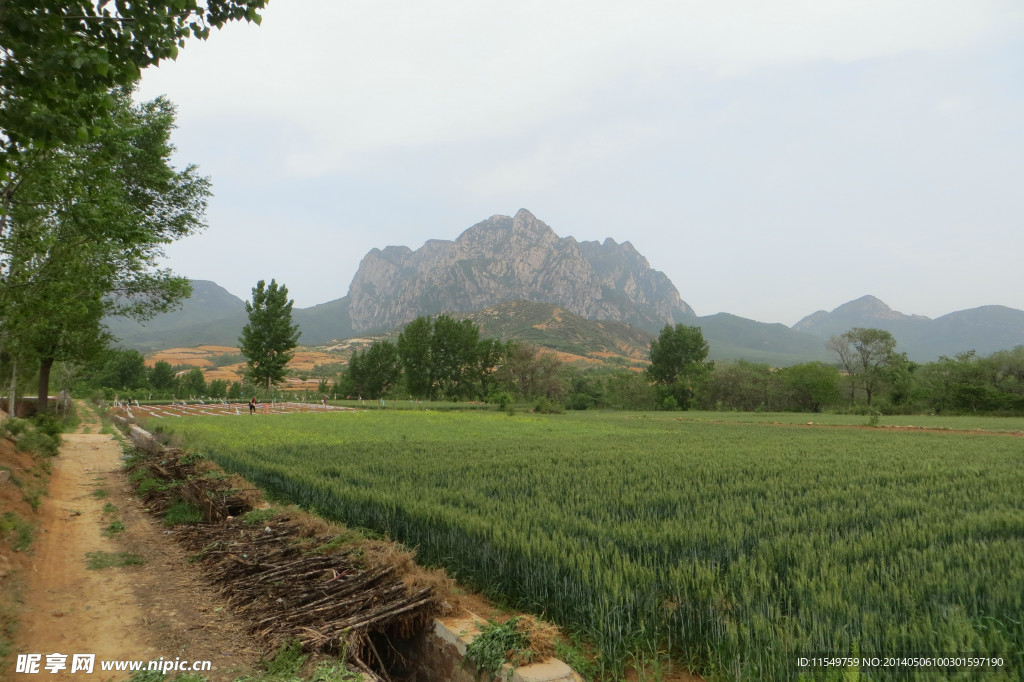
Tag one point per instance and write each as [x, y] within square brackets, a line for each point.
[733, 547]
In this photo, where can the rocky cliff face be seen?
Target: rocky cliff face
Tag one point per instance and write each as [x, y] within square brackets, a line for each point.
[503, 259]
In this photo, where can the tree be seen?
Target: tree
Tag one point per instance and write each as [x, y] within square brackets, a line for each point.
[810, 386]
[161, 376]
[865, 354]
[83, 238]
[453, 356]
[527, 373]
[739, 385]
[414, 352]
[268, 339]
[194, 383]
[60, 59]
[679, 362]
[122, 370]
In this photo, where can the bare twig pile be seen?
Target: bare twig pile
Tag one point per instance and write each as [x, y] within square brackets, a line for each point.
[295, 578]
[331, 602]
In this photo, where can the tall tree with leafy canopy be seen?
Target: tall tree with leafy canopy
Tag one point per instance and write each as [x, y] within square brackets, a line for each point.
[270, 337]
[60, 60]
[84, 234]
[679, 362]
[414, 351]
[867, 355]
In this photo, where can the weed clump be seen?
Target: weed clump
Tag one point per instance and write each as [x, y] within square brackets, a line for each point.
[96, 561]
[518, 641]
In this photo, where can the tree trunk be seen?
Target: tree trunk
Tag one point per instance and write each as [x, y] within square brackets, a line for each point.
[42, 401]
[12, 398]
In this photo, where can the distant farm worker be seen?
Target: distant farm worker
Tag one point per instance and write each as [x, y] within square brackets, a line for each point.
[324, 402]
[252, 406]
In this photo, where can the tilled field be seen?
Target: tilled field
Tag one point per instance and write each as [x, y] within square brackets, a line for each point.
[215, 409]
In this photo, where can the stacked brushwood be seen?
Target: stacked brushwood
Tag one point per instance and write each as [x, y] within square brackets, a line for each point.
[331, 602]
[216, 498]
[288, 581]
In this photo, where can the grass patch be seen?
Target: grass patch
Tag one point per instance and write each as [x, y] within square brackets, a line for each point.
[258, 516]
[182, 512]
[147, 485]
[100, 494]
[288, 660]
[96, 561]
[18, 532]
[113, 529]
[109, 508]
[33, 497]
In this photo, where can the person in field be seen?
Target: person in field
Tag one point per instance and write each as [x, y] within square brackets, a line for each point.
[252, 406]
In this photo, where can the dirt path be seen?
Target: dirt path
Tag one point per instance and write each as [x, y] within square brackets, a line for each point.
[142, 612]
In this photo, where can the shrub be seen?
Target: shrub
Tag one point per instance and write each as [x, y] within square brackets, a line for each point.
[14, 427]
[39, 443]
[545, 406]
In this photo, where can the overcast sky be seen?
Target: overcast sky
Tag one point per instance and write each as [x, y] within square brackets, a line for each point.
[772, 158]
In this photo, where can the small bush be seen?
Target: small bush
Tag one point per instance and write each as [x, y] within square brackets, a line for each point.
[14, 427]
[39, 443]
[511, 642]
[545, 406]
[17, 532]
[47, 423]
[113, 529]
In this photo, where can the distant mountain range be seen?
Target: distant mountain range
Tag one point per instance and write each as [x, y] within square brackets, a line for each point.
[985, 329]
[518, 279]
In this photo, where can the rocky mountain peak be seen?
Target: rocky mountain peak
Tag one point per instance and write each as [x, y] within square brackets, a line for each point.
[512, 258]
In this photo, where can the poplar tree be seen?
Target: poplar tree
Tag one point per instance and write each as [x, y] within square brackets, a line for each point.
[270, 337]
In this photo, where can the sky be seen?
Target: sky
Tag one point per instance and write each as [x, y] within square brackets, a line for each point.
[772, 158]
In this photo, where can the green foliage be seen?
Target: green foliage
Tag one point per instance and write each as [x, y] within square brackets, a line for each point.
[63, 58]
[446, 358]
[194, 383]
[496, 645]
[269, 338]
[16, 531]
[257, 517]
[85, 228]
[14, 427]
[733, 547]
[122, 370]
[867, 355]
[113, 529]
[39, 443]
[147, 676]
[288, 660]
[182, 512]
[528, 373]
[161, 376]
[373, 372]
[96, 561]
[678, 362]
[545, 406]
[48, 423]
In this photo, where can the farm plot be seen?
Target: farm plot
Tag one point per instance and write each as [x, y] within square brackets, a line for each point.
[220, 409]
[735, 548]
